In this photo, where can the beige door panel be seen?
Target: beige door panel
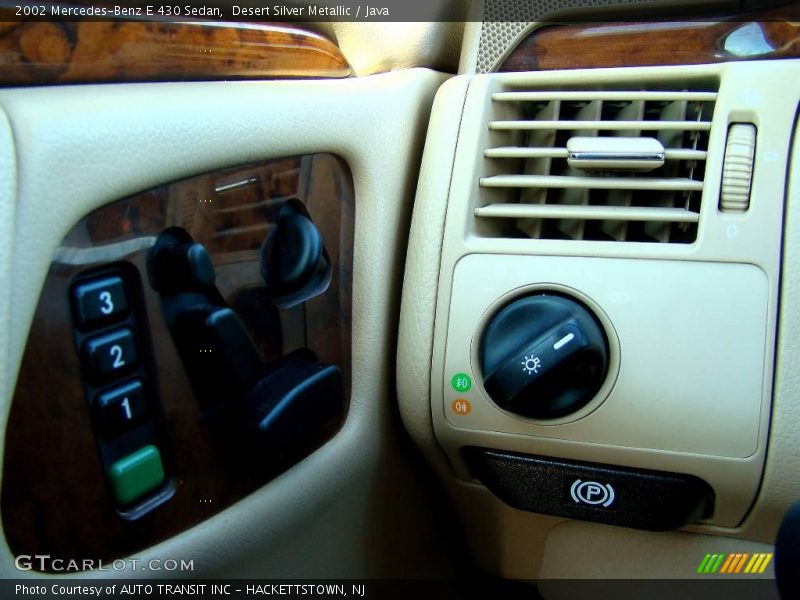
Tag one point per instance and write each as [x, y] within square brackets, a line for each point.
[78, 148]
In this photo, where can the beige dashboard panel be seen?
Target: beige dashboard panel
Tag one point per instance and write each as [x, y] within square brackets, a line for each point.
[693, 413]
[748, 252]
[80, 147]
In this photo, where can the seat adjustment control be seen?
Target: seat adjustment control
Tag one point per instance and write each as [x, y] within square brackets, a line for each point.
[136, 475]
[290, 404]
[121, 408]
[219, 356]
[543, 356]
[250, 406]
[294, 263]
[102, 300]
[110, 354]
[179, 264]
[111, 337]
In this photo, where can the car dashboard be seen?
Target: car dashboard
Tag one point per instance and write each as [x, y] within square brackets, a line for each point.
[498, 294]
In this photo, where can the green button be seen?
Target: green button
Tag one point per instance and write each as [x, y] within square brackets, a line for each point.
[461, 382]
[137, 474]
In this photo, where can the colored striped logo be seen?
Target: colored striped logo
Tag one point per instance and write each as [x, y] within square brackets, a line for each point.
[735, 563]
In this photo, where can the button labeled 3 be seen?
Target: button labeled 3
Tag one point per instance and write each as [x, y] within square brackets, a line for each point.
[97, 302]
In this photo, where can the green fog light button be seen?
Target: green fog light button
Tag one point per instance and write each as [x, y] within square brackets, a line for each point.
[137, 474]
[461, 382]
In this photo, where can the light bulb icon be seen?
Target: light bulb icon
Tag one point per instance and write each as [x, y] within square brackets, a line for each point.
[531, 365]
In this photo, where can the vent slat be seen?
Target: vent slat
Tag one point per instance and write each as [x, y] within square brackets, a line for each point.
[532, 186]
[651, 96]
[600, 125]
[521, 152]
[681, 154]
[592, 183]
[591, 213]
[518, 152]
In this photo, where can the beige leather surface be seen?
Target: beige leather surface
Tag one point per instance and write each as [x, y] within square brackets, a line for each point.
[355, 508]
[415, 345]
[470, 43]
[781, 484]
[8, 184]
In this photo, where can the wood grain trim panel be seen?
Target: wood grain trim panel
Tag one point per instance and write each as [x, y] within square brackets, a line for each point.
[770, 34]
[47, 52]
[54, 499]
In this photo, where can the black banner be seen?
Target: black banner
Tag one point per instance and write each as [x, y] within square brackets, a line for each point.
[712, 588]
[299, 11]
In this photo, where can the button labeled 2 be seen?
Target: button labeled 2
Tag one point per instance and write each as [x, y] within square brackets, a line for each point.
[121, 409]
[111, 354]
[99, 301]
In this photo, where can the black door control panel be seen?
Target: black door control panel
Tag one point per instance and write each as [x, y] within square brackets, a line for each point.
[249, 404]
[110, 334]
[161, 384]
[543, 356]
[637, 498]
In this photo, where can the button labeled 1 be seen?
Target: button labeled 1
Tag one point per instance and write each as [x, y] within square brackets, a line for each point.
[120, 409]
[111, 354]
[99, 301]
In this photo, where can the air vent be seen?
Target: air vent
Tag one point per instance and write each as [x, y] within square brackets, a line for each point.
[544, 177]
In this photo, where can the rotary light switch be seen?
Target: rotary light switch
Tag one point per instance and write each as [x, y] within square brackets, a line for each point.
[543, 356]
